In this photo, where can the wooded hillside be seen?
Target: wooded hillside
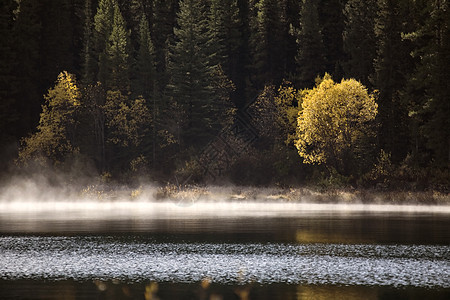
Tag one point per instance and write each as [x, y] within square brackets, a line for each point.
[213, 88]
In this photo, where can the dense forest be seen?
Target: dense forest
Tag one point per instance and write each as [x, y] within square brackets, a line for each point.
[253, 92]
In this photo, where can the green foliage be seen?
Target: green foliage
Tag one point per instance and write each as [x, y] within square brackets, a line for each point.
[334, 122]
[427, 88]
[198, 85]
[117, 51]
[54, 136]
[392, 65]
[310, 57]
[331, 20]
[102, 31]
[359, 39]
[145, 62]
[268, 40]
[87, 54]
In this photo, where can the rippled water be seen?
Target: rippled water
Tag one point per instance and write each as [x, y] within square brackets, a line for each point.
[262, 250]
[85, 258]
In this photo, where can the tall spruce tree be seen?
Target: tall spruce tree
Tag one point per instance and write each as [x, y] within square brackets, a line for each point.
[190, 70]
[359, 39]
[117, 55]
[88, 57]
[225, 35]
[427, 88]
[164, 20]
[145, 62]
[195, 77]
[392, 65]
[310, 57]
[331, 19]
[268, 43]
[103, 23]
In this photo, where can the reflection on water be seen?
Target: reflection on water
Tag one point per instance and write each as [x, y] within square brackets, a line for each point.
[113, 289]
[223, 251]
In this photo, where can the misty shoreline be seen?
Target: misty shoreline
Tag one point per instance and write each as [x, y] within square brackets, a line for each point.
[45, 188]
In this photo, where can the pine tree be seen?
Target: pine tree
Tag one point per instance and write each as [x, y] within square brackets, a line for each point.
[103, 23]
[331, 20]
[268, 43]
[359, 39]
[310, 57]
[145, 62]
[117, 51]
[190, 71]
[392, 66]
[89, 65]
[164, 20]
[226, 37]
[195, 77]
[427, 90]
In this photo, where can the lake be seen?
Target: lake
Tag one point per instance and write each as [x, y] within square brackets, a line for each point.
[222, 250]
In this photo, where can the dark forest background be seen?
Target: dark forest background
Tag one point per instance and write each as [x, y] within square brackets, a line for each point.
[155, 82]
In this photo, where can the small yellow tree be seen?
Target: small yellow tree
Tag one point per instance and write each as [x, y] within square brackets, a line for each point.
[335, 124]
[54, 137]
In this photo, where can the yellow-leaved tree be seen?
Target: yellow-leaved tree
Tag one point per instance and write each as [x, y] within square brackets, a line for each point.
[55, 132]
[336, 125]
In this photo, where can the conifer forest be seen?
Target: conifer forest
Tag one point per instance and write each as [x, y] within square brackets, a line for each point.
[248, 92]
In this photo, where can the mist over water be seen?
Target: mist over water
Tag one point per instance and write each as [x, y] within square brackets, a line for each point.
[47, 194]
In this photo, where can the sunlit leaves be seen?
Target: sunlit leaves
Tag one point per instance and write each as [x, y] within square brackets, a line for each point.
[127, 122]
[53, 138]
[333, 119]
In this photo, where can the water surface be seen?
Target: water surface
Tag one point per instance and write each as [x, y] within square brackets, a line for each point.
[122, 250]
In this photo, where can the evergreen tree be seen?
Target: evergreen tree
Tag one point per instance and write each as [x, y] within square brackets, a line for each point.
[359, 39]
[190, 71]
[392, 66]
[164, 20]
[268, 43]
[331, 20]
[310, 57]
[427, 89]
[226, 37]
[88, 58]
[103, 23]
[194, 76]
[145, 62]
[291, 14]
[117, 51]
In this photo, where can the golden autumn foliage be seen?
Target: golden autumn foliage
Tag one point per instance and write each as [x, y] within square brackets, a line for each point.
[334, 120]
[126, 120]
[276, 111]
[56, 125]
